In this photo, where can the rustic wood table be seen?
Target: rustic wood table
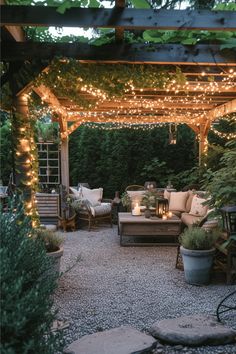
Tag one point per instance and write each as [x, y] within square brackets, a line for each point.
[139, 226]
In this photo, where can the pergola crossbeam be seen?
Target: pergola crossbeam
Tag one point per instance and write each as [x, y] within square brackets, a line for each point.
[224, 109]
[119, 17]
[202, 54]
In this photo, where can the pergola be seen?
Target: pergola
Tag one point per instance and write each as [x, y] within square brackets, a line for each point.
[197, 103]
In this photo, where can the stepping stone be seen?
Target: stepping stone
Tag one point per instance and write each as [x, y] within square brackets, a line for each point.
[121, 340]
[193, 331]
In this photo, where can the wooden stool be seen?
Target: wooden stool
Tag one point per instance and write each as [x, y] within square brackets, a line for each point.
[65, 223]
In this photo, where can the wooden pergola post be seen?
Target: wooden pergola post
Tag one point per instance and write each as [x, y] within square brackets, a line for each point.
[26, 174]
[22, 144]
[203, 142]
[65, 162]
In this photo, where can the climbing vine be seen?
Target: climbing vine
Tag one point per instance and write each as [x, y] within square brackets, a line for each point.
[67, 78]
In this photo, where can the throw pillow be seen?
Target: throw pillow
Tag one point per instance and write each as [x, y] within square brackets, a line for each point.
[189, 201]
[197, 207]
[167, 194]
[76, 194]
[94, 196]
[178, 201]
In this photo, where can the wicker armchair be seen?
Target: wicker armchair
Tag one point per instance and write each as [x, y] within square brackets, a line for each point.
[91, 210]
[98, 213]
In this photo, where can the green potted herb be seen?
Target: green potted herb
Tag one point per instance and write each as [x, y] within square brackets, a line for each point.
[149, 201]
[126, 200]
[197, 250]
[53, 245]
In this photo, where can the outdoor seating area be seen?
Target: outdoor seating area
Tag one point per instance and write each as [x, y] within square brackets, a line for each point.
[118, 177]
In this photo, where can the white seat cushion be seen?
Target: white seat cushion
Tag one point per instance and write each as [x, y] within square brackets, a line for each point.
[189, 220]
[102, 209]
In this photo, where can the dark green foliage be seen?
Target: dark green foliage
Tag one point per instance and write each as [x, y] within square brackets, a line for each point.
[26, 289]
[221, 183]
[5, 149]
[195, 238]
[115, 159]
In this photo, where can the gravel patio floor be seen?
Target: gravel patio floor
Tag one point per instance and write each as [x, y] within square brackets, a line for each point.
[112, 286]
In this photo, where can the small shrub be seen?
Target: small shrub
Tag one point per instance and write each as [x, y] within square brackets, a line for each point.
[51, 240]
[26, 289]
[196, 238]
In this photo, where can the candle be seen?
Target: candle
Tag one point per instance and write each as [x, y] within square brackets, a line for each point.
[164, 217]
[136, 210]
[170, 214]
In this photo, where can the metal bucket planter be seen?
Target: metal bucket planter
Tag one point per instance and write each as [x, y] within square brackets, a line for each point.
[56, 260]
[197, 265]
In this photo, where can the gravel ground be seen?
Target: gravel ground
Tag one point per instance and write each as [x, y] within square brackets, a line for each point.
[112, 286]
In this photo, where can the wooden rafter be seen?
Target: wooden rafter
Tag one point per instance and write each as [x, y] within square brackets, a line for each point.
[202, 54]
[119, 17]
[224, 109]
[135, 119]
[15, 33]
[48, 96]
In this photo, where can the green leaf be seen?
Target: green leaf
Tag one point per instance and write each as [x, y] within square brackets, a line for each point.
[231, 6]
[152, 36]
[94, 3]
[64, 6]
[140, 4]
[229, 44]
[189, 41]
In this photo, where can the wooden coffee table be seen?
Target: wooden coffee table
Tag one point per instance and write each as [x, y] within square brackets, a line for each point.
[139, 226]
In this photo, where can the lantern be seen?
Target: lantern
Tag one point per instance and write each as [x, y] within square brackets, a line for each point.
[229, 219]
[162, 207]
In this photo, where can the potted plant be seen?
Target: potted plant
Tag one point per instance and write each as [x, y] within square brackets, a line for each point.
[126, 200]
[53, 245]
[149, 200]
[197, 250]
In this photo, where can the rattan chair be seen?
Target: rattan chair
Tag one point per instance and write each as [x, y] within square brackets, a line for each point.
[134, 187]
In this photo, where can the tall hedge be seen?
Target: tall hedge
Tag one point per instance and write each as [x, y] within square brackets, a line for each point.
[114, 159]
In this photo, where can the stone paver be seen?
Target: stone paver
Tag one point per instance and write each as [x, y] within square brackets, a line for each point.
[121, 340]
[193, 331]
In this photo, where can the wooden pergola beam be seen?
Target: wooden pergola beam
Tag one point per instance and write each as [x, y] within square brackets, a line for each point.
[119, 17]
[133, 119]
[202, 54]
[48, 96]
[119, 31]
[223, 110]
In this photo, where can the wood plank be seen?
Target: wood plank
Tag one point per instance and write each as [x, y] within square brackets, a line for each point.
[118, 17]
[224, 109]
[201, 54]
